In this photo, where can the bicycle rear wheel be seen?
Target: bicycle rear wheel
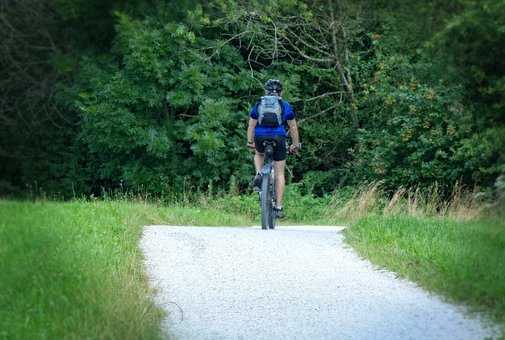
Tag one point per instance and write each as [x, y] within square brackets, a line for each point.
[266, 203]
[273, 215]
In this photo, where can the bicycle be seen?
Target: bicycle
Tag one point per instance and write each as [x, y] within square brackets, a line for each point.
[267, 193]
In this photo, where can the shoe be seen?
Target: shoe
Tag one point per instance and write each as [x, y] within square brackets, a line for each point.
[256, 182]
[279, 212]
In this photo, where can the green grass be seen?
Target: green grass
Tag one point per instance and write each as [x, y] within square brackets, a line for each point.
[74, 270]
[462, 260]
[300, 209]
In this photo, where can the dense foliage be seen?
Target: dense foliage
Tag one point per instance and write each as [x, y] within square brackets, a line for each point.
[152, 95]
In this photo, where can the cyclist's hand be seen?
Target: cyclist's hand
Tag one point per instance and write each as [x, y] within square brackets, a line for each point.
[251, 146]
[294, 149]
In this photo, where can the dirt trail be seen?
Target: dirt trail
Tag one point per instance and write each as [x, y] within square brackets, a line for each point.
[289, 283]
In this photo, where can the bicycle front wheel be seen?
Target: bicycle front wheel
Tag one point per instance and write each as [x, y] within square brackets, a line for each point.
[266, 202]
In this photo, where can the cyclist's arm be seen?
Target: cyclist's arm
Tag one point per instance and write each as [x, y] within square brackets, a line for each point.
[250, 130]
[293, 131]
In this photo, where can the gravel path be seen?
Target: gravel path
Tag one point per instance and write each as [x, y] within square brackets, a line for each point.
[289, 283]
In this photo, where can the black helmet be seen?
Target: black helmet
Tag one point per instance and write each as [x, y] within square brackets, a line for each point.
[273, 86]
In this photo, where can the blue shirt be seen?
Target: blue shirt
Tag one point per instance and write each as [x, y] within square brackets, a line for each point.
[287, 114]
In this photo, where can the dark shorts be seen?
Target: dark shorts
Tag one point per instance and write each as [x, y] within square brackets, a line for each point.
[280, 150]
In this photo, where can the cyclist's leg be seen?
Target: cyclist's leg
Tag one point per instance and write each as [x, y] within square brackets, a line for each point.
[259, 159]
[280, 181]
[259, 156]
[280, 154]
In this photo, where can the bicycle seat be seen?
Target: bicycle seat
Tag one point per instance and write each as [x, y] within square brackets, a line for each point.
[269, 146]
[268, 142]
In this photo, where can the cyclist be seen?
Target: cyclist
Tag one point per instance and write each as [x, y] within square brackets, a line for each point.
[267, 120]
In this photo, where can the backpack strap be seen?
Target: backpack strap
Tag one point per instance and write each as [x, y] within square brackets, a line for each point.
[256, 106]
[281, 118]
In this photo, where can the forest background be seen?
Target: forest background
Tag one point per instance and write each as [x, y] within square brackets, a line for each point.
[153, 96]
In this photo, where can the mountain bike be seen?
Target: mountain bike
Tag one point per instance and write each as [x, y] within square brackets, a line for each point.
[267, 193]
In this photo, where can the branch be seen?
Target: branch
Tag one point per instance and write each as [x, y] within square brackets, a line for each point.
[299, 38]
[319, 113]
[222, 44]
[323, 95]
[303, 54]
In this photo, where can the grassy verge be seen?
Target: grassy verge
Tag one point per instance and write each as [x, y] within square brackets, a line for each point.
[463, 260]
[74, 270]
[450, 247]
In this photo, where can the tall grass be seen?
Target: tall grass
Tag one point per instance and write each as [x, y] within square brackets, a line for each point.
[461, 205]
[343, 206]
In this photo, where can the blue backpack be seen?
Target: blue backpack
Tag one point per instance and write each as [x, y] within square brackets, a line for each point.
[270, 111]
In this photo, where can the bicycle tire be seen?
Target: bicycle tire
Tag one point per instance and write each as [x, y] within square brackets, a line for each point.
[266, 202]
[272, 217]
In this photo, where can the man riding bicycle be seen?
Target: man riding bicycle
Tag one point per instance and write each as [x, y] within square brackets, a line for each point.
[267, 121]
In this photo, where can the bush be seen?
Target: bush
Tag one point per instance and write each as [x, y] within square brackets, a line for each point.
[413, 128]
